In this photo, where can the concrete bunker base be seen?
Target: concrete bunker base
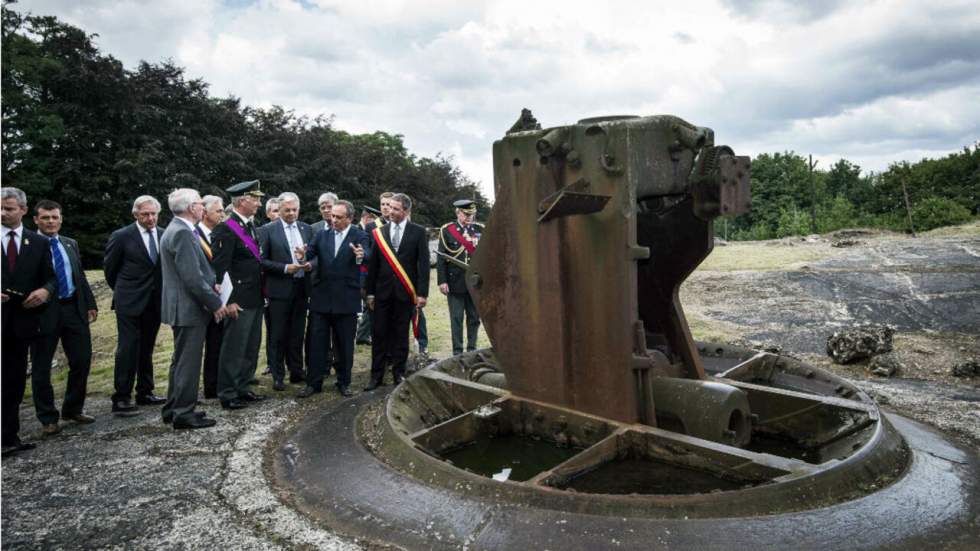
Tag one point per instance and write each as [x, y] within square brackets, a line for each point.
[326, 472]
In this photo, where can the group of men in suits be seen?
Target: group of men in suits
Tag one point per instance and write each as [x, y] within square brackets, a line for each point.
[211, 275]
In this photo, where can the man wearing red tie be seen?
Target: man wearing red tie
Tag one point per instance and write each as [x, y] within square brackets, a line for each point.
[28, 283]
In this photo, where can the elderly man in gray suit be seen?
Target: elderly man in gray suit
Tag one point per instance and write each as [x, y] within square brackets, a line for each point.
[190, 300]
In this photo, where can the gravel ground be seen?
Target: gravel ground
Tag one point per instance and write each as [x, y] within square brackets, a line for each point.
[135, 483]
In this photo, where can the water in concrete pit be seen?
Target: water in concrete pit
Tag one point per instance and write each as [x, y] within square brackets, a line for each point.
[523, 455]
[648, 477]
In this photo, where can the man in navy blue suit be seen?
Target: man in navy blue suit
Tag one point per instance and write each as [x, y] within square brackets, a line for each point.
[337, 255]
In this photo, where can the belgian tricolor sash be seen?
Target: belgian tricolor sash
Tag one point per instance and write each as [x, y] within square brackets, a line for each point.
[396, 267]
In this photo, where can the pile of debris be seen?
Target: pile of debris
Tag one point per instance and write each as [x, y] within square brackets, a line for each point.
[863, 342]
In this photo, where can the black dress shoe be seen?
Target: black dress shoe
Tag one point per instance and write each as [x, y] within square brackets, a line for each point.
[150, 400]
[374, 384]
[307, 392]
[345, 391]
[194, 423]
[17, 447]
[233, 404]
[278, 385]
[252, 397]
[125, 408]
[167, 419]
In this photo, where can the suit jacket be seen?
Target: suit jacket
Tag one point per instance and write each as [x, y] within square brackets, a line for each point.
[413, 254]
[231, 256]
[337, 289]
[33, 270]
[277, 254]
[83, 291]
[189, 297]
[317, 226]
[133, 277]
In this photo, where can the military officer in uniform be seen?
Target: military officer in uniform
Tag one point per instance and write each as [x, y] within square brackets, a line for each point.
[236, 253]
[458, 240]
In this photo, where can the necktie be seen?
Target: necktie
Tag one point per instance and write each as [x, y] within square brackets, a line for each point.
[59, 270]
[294, 242]
[12, 251]
[396, 236]
[153, 247]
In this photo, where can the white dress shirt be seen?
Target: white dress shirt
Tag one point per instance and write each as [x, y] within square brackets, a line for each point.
[295, 239]
[145, 235]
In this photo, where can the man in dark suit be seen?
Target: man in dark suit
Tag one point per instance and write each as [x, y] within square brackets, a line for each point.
[288, 287]
[68, 315]
[132, 270]
[214, 214]
[28, 283]
[393, 299]
[325, 204]
[190, 301]
[236, 253]
[338, 255]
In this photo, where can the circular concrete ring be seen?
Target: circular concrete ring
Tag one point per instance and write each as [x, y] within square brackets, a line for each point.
[326, 473]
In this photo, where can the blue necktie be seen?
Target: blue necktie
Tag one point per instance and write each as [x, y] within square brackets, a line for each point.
[153, 247]
[59, 270]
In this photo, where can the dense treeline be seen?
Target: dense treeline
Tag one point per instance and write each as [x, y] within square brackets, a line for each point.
[81, 129]
[787, 200]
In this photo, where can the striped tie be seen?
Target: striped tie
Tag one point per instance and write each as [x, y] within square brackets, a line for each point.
[59, 270]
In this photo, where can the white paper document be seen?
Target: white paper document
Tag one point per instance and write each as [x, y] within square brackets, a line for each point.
[226, 288]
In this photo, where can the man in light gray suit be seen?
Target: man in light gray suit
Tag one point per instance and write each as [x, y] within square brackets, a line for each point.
[190, 299]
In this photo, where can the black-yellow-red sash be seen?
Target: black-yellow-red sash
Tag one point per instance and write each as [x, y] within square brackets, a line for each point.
[396, 267]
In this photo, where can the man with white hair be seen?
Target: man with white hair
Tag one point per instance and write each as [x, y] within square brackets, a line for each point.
[272, 209]
[132, 270]
[288, 289]
[214, 214]
[29, 282]
[190, 301]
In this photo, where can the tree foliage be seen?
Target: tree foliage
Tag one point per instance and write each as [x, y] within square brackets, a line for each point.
[81, 129]
[786, 200]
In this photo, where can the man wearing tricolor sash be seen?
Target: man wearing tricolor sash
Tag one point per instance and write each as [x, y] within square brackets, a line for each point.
[397, 285]
[214, 214]
[236, 253]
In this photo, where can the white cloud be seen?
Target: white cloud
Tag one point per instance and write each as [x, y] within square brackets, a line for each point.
[874, 82]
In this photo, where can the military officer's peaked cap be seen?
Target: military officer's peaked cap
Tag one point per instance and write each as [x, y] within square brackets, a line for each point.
[246, 188]
[372, 210]
[466, 205]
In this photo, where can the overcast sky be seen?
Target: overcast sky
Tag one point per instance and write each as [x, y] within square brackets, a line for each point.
[873, 82]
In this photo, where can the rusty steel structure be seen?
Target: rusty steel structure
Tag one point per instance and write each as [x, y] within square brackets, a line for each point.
[595, 421]
[595, 227]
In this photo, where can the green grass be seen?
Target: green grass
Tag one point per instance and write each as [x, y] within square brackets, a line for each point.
[104, 343]
[760, 256]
